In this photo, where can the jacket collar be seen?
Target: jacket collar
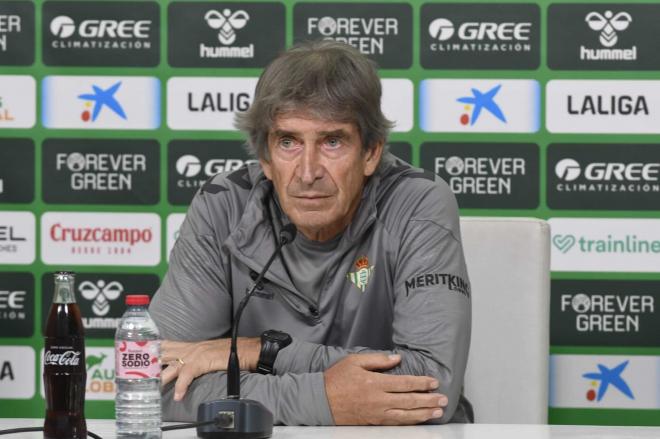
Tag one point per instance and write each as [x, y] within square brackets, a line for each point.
[255, 237]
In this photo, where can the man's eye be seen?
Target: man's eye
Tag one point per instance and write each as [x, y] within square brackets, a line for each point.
[333, 142]
[286, 142]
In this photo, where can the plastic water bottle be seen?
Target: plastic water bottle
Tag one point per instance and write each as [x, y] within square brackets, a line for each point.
[137, 372]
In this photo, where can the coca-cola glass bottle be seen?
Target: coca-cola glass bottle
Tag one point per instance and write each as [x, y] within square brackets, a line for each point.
[64, 364]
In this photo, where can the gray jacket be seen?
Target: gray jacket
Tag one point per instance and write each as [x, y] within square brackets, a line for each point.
[399, 285]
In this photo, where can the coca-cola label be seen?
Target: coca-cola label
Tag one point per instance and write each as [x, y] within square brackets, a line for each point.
[67, 358]
[137, 359]
[67, 353]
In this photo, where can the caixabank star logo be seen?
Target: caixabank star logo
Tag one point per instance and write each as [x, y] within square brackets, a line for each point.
[604, 381]
[224, 34]
[101, 102]
[480, 105]
[101, 33]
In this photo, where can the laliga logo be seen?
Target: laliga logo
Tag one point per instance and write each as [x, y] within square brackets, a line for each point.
[608, 24]
[226, 23]
[100, 293]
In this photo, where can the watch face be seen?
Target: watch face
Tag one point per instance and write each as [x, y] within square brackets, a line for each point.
[278, 336]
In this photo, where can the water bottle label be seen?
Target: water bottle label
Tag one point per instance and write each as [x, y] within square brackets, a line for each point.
[137, 359]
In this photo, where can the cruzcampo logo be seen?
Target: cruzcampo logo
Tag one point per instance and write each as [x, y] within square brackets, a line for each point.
[563, 242]
[360, 278]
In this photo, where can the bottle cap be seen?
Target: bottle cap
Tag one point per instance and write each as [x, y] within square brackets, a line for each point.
[137, 299]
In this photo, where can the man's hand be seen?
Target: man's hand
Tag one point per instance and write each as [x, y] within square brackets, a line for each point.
[203, 357]
[359, 396]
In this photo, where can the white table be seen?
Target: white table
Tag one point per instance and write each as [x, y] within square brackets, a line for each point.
[106, 429]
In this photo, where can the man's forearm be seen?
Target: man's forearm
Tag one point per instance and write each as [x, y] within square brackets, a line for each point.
[306, 357]
[294, 399]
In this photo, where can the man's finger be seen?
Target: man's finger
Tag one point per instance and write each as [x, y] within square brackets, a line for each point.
[186, 375]
[409, 417]
[407, 383]
[410, 401]
[375, 361]
[169, 373]
[170, 356]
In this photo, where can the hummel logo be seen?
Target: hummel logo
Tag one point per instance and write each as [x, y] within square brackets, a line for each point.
[226, 23]
[608, 24]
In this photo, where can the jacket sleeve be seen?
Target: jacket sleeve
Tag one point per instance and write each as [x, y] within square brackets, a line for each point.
[193, 304]
[432, 306]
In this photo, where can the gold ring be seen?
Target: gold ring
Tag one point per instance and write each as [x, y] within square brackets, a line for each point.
[181, 362]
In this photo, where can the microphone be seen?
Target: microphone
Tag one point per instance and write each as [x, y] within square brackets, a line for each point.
[236, 417]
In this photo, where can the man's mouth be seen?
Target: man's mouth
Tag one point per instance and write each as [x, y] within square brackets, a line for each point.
[311, 196]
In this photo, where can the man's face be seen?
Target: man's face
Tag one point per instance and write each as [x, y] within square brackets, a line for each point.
[318, 170]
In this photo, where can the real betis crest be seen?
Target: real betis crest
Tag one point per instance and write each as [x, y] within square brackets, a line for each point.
[360, 278]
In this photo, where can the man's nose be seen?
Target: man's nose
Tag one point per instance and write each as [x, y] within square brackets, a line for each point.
[310, 167]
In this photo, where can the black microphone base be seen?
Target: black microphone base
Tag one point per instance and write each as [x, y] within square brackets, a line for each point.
[238, 419]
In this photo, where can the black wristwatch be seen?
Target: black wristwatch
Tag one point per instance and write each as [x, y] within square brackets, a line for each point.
[271, 343]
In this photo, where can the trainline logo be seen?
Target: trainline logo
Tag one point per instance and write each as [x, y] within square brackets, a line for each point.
[604, 244]
[611, 244]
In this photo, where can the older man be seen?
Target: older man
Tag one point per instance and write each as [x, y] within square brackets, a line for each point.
[371, 302]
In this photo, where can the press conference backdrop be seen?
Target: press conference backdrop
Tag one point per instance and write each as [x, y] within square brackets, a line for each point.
[112, 114]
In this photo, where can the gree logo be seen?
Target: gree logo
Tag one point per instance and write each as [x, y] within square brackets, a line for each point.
[64, 27]
[443, 29]
[607, 24]
[226, 23]
[563, 242]
[569, 170]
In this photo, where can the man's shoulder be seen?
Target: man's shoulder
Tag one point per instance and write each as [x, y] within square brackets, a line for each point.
[403, 185]
[223, 197]
[406, 193]
[239, 182]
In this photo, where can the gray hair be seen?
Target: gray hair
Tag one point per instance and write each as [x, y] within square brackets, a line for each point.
[325, 79]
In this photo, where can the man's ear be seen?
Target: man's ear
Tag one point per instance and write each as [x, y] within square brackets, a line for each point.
[372, 159]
